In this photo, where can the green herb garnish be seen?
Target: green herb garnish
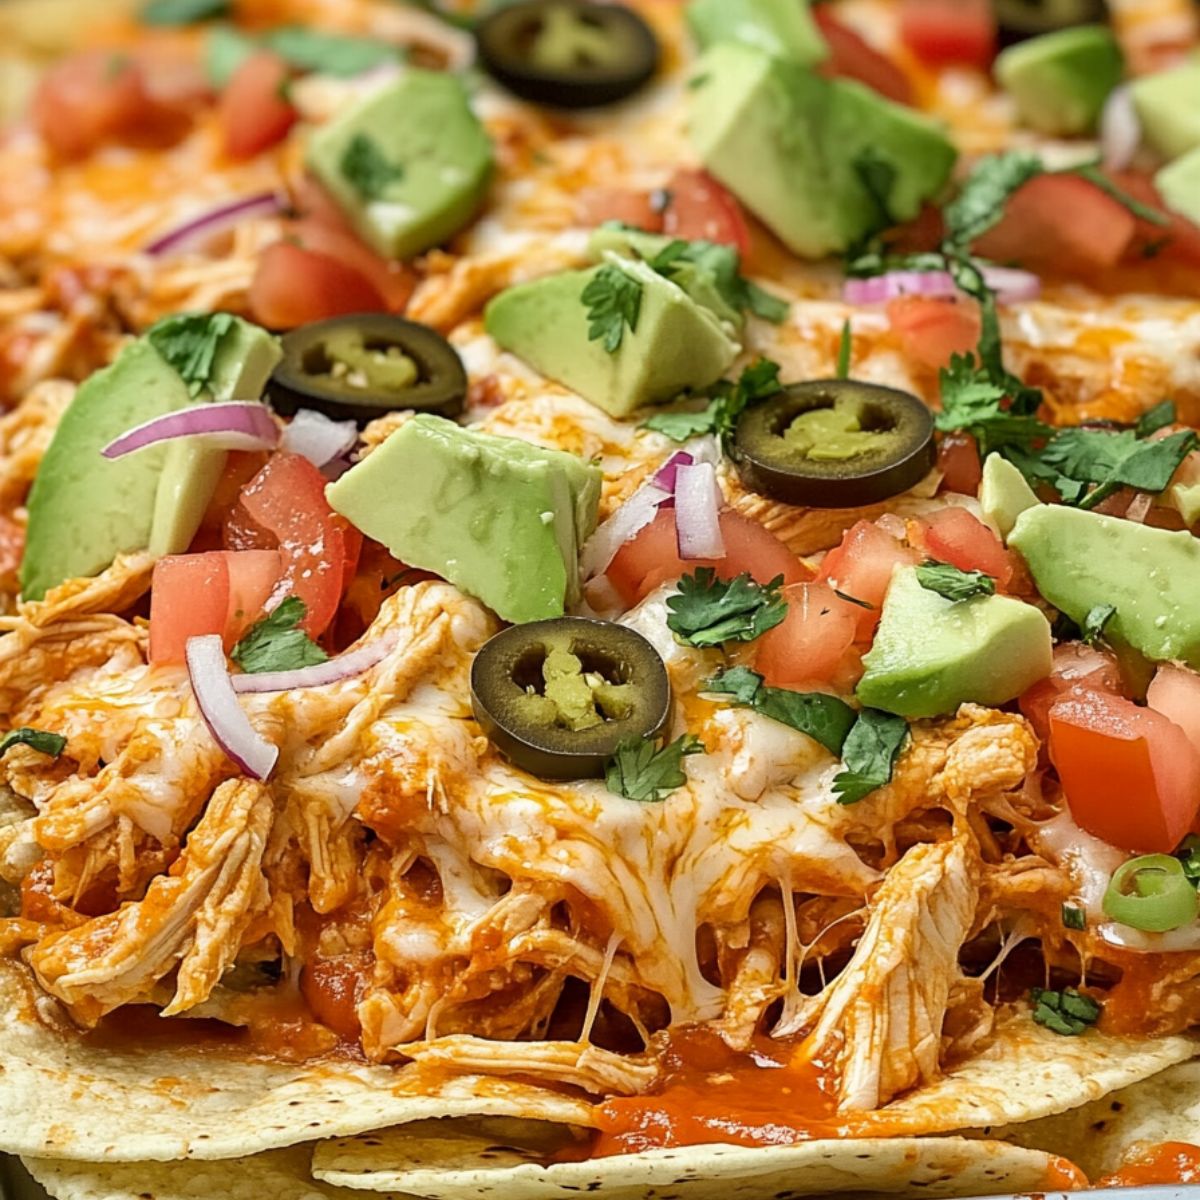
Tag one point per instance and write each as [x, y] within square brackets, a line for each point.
[189, 342]
[364, 166]
[723, 264]
[869, 753]
[1065, 1012]
[1156, 418]
[182, 12]
[707, 611]
[728, 400]
[52, 744]
[614, 301]
[276, 643]
[953, 584]
[1073, 918]
[330, 53]
[845, 351]
[1092, 629]
[641, 771]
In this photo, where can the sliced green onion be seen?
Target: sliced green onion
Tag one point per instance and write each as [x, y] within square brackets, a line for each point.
[1153, 894]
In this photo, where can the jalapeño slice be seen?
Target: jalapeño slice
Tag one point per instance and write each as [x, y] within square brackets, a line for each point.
[366, 365]
[834, 443]
[1018, 20]
[568, 53]
[556, 697]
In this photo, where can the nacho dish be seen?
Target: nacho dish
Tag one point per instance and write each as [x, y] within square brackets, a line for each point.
[599, 597]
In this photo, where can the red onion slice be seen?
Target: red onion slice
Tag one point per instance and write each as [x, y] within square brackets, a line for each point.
[318, 438]
[235, 425]
[697, 512]
[625, 524]
[198, 230]
[1010, 286]
[1120, 129]
[665, 476]
[345, 666]
[218, 704]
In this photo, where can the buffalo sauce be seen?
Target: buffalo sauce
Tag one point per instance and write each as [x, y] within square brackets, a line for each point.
[767, 1095]
[1165, 1162]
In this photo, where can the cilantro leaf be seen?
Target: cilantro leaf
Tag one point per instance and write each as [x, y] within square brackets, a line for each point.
[869, 752]
[763, 304]
[878, 178]
[707, 611]
[189, 342]
[1156, 418]
[1066, 1012]
[825, 718]
[276, 643]
[1097, 618]
[182, 12]
[613, 300]
[728, 401]
[640, 771]
[330, 53]
[1073, 918]
[980, 203]
[52, 744]
[953, 584]
[723, 264]
[976, 401]
[845, 351]
[1146, 466]
[365, 167]
[1089, 455]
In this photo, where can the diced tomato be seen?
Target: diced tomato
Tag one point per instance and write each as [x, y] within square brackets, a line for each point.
[862, 567]
[1130, 775]
[949, 32]
[394, 281]
[1175, 692]
[87, 100]
[1076, 665]
[333, 987]
[221, 592]
[318, 547]
[851, 57]
[641, 209]
[293, 286]
[953, 535]
[255, 113]
[810, 646]
[1060, 223]
[1178, 241]
[652, 558]
[701, 209]
[958, 461]
[931, 330]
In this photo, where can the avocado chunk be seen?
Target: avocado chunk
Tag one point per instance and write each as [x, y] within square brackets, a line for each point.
[1061, 80]
[500, 518]
[1082, 560]
[1004, 494]
[1168, 105]
[677, 344]
[932, 654]
[823, 162]
[85, 509]
[1178, 184]
[408, 164]
[782, 28]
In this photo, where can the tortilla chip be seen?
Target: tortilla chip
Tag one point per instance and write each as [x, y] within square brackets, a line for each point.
[466, 1160]
[64, 1097]
[276, 1175]
[1163, 1108]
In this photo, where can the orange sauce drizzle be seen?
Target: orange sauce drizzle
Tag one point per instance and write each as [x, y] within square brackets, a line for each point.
[1166, 1162]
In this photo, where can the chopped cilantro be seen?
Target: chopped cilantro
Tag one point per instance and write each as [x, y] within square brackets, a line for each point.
[1073, 918]
[1092, 629]
[845, 351]
[728, 401]
[365, 167]
[182, 12]
[276, 643]
[707, 611]
[641, 771]
[723, 264]
[953, 584]
[330, 53]
[614, 301]
[189, 342]
[980, 203]
[824, 718]
[52, 744]
[978, 402]
[869, 753]
[1156, 418]
[1065, 1012]
[878, 177]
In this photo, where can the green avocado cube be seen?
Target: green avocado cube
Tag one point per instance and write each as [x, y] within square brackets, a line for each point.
[677, 344]
[1179, 185]
[822, 162]
[1084, 560]
[1168, 105]
[1061, 80]
[408, 164]
[931, 655]
[500, 518]
[783, 28]
[1004, 494]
